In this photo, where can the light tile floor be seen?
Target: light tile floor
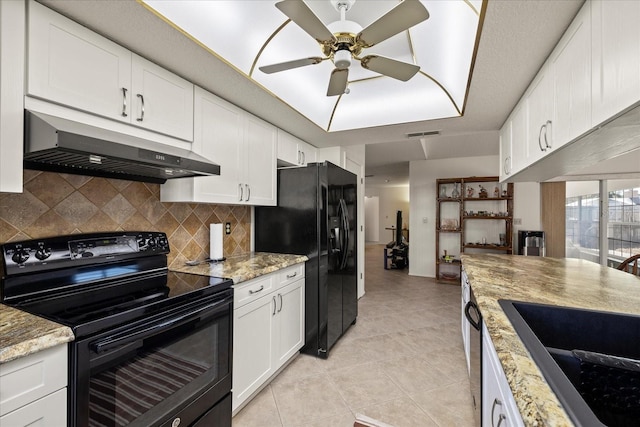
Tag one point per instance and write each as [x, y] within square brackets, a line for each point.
[401, 363]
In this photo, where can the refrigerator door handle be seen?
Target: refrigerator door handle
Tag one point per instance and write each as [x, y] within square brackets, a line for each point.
[345, 233]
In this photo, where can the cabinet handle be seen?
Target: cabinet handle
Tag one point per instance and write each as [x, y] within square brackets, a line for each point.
[280, 296]
[496, 402]
[501, 419]
[248, 191]
[304, 158]
[540, 138]
[547, 127]
[299, 158]
[124, 102]
[506, 168]
[141, 118]
[241, 192]
[291, 276]
[274, 306]
[251, 291]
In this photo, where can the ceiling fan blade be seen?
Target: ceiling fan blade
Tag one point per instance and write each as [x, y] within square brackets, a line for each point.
[402, 17]
[389, 67]
[338, 81]
[282, 66]
[299, 12]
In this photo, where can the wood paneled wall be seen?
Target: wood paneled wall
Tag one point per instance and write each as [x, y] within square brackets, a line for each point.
[552, 215]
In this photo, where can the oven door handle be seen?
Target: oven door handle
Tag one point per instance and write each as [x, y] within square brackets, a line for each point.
[136, 336]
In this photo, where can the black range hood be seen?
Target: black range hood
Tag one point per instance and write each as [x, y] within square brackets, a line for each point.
[60, 145]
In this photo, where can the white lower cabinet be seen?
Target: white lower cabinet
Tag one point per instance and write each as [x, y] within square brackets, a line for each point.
[268, 329]
[498, 405]
[33, 389]
[466, 327]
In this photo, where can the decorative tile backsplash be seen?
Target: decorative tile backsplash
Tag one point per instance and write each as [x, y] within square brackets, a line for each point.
[57, 204]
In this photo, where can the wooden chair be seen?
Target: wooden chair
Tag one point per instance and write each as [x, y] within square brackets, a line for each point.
[631, 265]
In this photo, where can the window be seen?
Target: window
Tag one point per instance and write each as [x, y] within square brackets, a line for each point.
[622, 221]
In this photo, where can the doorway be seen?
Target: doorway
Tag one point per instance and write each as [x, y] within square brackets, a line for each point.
[372, 219]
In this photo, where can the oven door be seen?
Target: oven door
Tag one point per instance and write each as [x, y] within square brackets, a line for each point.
[170, 366]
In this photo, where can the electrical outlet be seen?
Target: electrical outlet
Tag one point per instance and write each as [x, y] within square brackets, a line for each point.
[424, 220]
[517, 221]
[227, 228]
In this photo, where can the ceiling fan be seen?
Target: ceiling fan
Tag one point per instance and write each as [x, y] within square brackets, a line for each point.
[343, 40]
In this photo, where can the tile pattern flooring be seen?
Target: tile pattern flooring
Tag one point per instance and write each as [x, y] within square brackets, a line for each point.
[401, 363]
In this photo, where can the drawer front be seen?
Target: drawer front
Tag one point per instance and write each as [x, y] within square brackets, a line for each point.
[51, 410]
[251, 290]
[290, 274]
[31, 377]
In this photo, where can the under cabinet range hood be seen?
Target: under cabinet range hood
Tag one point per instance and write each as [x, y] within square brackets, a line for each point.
[61, 145]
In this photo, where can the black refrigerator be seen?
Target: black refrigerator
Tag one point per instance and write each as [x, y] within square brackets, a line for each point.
[316, 216]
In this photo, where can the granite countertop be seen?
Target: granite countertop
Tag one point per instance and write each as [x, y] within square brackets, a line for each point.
[22, 333]
[564, 282]
[244, 267]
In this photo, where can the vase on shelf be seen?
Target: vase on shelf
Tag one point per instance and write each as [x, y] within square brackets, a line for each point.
[455, 193]
[443, 192]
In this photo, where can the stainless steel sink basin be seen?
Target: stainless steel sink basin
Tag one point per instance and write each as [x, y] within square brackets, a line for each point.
[591, 359]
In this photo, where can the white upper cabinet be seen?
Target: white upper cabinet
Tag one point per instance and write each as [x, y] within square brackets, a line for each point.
[505, 150]
[260, 177]
[244, 147]
[571, 68]
[519, 138]
[293, 151]
[162, 101]
[615, 57]
[539, 104]
[70, 65]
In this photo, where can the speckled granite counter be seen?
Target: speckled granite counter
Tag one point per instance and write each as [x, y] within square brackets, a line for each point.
[564, 282]
[244, 267]
[22, 333]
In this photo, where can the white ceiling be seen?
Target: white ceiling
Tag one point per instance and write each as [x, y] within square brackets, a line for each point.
[517, 37]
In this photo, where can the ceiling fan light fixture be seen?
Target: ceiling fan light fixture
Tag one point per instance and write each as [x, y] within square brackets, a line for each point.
[342, 58]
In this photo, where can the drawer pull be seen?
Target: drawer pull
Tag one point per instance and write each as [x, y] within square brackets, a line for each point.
[251, 291]
[291, 276]
[496, 401]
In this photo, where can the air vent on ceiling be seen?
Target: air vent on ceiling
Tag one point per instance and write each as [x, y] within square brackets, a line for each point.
[421, 134]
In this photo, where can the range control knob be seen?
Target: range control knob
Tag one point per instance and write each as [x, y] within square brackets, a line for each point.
[20, 256]
[43, 253]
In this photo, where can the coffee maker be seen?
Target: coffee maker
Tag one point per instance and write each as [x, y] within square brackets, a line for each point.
[531, 243]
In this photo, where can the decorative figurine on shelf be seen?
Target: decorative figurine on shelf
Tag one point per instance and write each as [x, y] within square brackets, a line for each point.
[455, 193]
[504, 193]
[470, 192]
[483, 192]
[496, 192]
[443, 192]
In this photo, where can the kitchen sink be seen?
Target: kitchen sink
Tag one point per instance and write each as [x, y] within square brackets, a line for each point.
[590, 359]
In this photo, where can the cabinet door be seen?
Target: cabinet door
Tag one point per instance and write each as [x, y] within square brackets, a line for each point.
[571, 64]
[252, 347]
[288, 148]
[616, 57]
[308, 153]
[290, 321]
[218, 137]
[519, 138]
[73, 66]
[260, 162]
[51, 410]
[163, 102]
[505, 151]
[539, 115]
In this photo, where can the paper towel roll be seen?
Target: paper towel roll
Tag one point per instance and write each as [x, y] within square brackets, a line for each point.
[216, 252]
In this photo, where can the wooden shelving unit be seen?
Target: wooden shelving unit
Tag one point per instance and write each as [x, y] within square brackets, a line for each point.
[469, 220]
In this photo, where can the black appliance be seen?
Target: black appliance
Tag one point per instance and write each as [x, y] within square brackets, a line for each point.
[61, 145]
[399, 249]
[152, 347]
[474, 317]
[531, 243]
[316, 217]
